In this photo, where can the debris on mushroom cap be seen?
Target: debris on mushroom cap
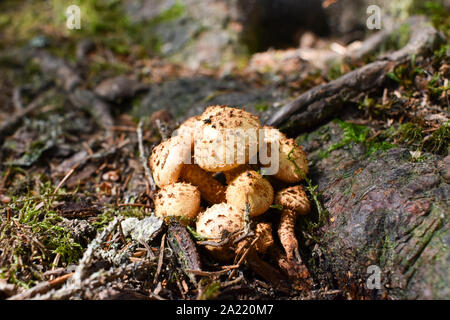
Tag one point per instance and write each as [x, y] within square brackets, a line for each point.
[220, 123]
[190, 128]
[211, 190]
[178, 199]
[167, 159]
[215, 223]
[289, 151]
[295, 199]
[249, 187]
[218, 219]
[289, 172]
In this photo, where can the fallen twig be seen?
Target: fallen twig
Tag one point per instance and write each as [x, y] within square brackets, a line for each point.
[10, 125]
[143, 157]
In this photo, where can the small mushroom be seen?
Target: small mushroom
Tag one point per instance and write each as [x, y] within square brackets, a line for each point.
[289, 152]
[167, 159]
[217, 222]
[250, 188]
[294, 202]
[180, 200]
[211, 189]
[213, 150]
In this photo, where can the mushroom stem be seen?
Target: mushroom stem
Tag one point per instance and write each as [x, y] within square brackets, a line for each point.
[248, 253]
[286, 232]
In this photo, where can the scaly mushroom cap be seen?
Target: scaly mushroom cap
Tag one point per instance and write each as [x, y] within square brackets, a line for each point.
[167, 159]
[219, 218]
[249, 187]
[179, 200]
[215, 222]
[211, 189]
[288, 149]
[220, 123]
[295, 199]
[190, 128]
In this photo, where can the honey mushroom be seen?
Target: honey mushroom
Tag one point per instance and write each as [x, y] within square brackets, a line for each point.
[190, 129]
[249, 188]
[216, 222]
[169, 163]
[212, 152]
[181, 200]
[223, 220]
[289, 152]
[294, 202]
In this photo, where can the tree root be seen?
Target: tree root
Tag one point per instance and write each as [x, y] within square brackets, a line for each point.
[315, 106]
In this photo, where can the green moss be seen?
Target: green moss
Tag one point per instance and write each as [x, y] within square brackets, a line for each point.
[409, 133]
[439, 141]
[211, 290]
[439, 14]
[354, 134]
[262, 106]
[111, 212]
[399, 38]
[413, 136]
[322, 214]
[33, 237]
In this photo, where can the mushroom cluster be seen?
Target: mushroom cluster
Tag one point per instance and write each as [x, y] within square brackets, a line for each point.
[186, 168]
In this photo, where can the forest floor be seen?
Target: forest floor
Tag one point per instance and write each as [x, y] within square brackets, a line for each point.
[75, 109]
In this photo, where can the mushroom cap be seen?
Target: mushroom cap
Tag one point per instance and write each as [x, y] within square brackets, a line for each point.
[288, 148]
[219, 218]
[190, 128]
[249, 187]
[167, 159]
[288, 171]
[295, 199]
[220, 123]
[272, 133]
[178, 199]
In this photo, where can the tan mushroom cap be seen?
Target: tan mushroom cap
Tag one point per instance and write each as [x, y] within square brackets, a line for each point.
[179, 200]
[219, 218]
[295, 199]
[288, 171]
[211, 189]
[249, 187]
[167, 159]
[190, 128]
[272, 133]
[220, 123]
[288, 149]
